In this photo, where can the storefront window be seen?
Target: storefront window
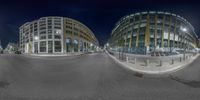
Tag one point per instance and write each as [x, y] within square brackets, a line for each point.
[75, 45]
[68, 45]
[43, 46]
[57, 46]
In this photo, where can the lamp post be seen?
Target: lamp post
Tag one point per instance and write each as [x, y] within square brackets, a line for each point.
[184, 30]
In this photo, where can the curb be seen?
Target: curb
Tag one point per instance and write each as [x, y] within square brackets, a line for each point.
[56, 55]
[171, 70]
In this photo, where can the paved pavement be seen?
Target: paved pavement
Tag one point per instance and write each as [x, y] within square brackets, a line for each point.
[90, 77]
[56, 55]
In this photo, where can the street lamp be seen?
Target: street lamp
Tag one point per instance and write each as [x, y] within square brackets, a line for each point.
[91, 44]
[184, 30]
[107, 44]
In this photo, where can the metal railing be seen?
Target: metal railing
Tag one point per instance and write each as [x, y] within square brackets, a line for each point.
[148, 60]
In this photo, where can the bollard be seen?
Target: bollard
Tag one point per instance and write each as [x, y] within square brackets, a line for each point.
[160, 62]
[180, 59]
[126, 59]
[147, 62]
[172, 61]
[135, 60]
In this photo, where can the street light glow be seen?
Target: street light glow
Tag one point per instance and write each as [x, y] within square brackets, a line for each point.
[184, 29]
[36, 37]
[107, 44]
[91, 44]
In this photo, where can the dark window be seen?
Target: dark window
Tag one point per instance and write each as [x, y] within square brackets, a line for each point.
[43, 46]
[57, 37]
[57, 46]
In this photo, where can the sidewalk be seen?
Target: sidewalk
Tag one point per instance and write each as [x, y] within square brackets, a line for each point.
[159, 66]
[56, 55]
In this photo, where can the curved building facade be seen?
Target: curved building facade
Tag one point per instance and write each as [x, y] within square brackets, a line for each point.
[144, 32]
[56, 35]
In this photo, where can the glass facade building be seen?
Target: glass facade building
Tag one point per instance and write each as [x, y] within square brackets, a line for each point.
[145, 32]
[56, 35]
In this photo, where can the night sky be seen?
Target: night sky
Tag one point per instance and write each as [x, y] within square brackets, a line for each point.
[100, 16]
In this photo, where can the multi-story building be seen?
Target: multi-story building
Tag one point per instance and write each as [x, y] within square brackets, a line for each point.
[56, 35]
[145, 32]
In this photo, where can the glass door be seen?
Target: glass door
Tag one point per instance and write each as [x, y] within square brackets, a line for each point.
[50, 47]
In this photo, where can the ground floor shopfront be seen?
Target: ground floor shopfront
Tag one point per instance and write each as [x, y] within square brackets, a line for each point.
[59, 46]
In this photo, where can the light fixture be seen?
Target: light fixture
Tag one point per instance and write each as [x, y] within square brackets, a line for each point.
[107, 44]
[58, 31]
[91, 44]
[36, 37]
[184, 29]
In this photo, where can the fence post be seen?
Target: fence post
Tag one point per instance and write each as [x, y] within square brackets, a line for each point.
[147, 62]
[172, 61]
[160, 62]
[135, 60]
[126, 59]
[180, 59]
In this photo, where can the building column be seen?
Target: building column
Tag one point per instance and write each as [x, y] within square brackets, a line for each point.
[163, 29]
[138, 31]
[155, 31]
[147, 33]
[169, 33]
[174, 32]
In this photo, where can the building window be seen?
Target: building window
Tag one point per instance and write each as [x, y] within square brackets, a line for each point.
[49, 27]
[50, 47]
[42, 37]
[42, 32]
[49, 36]
[43, 46]
[49, 31]
[57, 46]
[56, 27]
[75, 45]
[57, 36]
[36, 47]
[75, 34]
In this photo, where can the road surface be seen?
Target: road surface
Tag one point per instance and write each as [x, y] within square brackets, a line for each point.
[90, 77]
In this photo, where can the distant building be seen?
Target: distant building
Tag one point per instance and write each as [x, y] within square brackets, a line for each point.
[56, 35]
[1, 48]
[11, 48]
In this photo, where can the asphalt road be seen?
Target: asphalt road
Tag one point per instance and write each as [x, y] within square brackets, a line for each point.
[90, 77]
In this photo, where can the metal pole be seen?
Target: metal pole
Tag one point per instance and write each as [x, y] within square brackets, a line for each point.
[135, 60]
[184, 47]
[147, 62]
[160, 62]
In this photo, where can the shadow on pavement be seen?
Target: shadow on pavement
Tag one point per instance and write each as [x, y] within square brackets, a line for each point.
[140, 75]
[192, 83]
[4, 84]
